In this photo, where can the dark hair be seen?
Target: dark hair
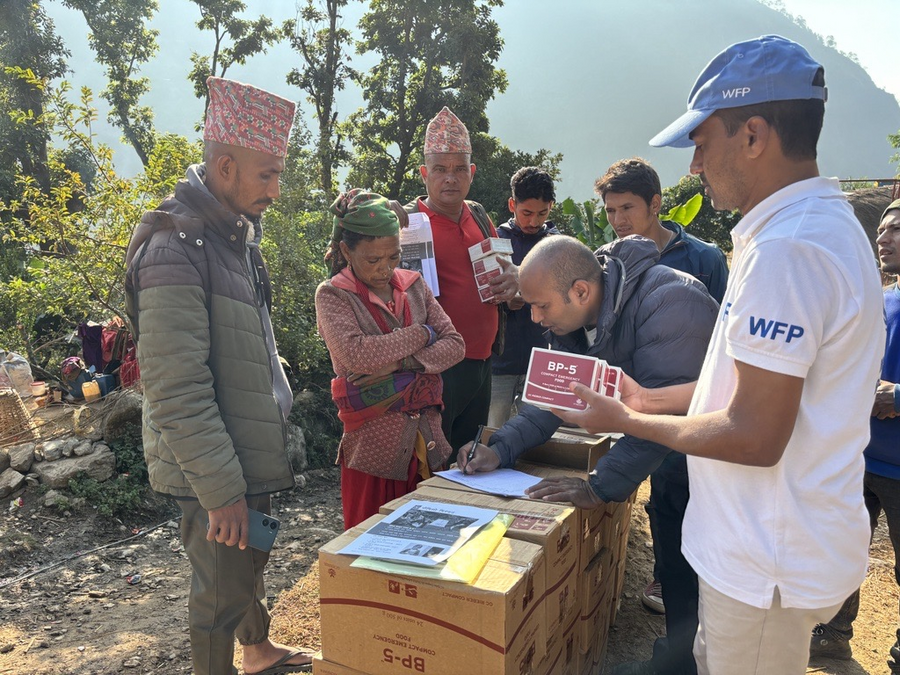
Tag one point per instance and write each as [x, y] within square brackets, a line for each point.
[532, 182]
[798, 122]
[630, 175]
[568, 259]
[352, 239]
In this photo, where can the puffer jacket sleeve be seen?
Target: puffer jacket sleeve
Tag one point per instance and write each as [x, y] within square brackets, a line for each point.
[173, 351]
[449, 348]
[350, 347]
[713, 261]
[531, 427]
[673, 325]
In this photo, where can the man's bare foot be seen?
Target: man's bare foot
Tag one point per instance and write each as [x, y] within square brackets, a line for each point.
[260, 657]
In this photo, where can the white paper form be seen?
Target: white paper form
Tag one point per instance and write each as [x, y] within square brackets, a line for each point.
[502, 482]
[424, 533]
[417, 250]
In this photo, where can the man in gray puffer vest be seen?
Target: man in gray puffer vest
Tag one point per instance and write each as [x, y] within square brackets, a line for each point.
[653, 322]
[215, 397]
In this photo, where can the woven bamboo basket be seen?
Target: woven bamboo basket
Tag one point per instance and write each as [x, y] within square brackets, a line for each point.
[16, 425]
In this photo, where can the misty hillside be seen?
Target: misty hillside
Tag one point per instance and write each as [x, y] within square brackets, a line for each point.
[593, 79]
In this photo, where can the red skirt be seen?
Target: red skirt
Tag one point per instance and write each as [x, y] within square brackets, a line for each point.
[362, 494]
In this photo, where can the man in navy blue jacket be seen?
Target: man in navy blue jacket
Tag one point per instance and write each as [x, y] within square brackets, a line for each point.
[631, 192]
[654, 322]
[532, 198]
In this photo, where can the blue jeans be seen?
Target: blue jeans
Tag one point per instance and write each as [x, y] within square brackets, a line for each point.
[506, 394]
[880, 494]
[673, 654]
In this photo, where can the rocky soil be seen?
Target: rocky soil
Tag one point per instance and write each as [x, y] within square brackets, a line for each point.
[87, 595]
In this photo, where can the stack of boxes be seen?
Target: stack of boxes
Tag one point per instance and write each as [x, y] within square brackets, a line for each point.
[542, 605]
[485, 257]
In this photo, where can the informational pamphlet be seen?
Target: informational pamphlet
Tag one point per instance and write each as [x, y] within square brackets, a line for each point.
[417, 250]
[423, 533]
[463, 566]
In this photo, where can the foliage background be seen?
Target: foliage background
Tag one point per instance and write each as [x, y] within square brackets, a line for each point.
[66, 214]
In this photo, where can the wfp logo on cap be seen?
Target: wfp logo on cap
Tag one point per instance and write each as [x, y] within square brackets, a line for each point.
[736, 92]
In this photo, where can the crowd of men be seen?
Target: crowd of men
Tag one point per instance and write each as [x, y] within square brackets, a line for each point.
[749, 396]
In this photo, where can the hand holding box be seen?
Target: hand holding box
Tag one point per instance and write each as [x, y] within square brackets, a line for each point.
[550, 373]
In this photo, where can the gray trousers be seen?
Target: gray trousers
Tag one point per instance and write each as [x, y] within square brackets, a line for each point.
[228, 597]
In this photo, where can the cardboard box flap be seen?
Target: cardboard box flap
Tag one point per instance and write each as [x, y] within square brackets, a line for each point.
[568, 451]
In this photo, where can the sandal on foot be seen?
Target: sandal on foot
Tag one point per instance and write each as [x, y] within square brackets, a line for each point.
[282, 666]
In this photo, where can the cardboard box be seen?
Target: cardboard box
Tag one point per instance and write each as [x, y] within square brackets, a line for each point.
[551, 663]
[592, 655]
[573, 454]
[387, 623]
[323, 667]
[550, 526]
[490, 246]
[596, 589]
[570, 452]
[564, 643]
[571, 649]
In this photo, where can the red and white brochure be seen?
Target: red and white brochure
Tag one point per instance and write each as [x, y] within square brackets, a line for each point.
[549, 375]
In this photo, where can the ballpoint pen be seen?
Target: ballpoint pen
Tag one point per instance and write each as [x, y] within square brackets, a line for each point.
[475, 443]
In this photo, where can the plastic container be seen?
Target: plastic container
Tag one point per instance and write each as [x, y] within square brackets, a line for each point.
[19, 372]
[91, 391]
[38, 388]
[107, 383]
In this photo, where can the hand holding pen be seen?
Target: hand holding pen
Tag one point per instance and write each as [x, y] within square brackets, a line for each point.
[471, 459]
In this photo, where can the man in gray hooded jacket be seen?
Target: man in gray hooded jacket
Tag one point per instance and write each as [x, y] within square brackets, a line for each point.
[653, 322]
[216, 400]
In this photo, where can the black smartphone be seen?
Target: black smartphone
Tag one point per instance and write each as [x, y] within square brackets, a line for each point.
[263, 529]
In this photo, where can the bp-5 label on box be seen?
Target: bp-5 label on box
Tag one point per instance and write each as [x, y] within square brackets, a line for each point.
[550, 373]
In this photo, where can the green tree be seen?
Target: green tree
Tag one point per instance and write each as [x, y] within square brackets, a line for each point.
[122, 42]
[75, 235]
[431, 55]
[496, 164]
[321, 43]
[29, 43]
[297, 232]
[247, 37]
[709, 224]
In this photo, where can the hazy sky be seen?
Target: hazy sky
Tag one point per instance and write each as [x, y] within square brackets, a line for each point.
[868, 28]
[863, 27]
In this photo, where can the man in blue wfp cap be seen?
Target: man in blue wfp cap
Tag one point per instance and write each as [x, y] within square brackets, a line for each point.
[775, 528]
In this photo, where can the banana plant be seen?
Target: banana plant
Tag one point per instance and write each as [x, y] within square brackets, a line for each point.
[591, 226]
[684, 214]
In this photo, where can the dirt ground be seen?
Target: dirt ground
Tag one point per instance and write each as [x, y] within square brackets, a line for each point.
[80, 615]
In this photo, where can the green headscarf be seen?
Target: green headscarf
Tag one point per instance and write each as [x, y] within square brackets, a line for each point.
[891, 207]
[363, 212]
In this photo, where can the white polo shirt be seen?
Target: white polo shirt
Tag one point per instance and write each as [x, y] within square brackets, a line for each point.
[804, 299]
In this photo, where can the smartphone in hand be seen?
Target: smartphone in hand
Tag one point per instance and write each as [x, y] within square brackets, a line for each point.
[263, 529]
